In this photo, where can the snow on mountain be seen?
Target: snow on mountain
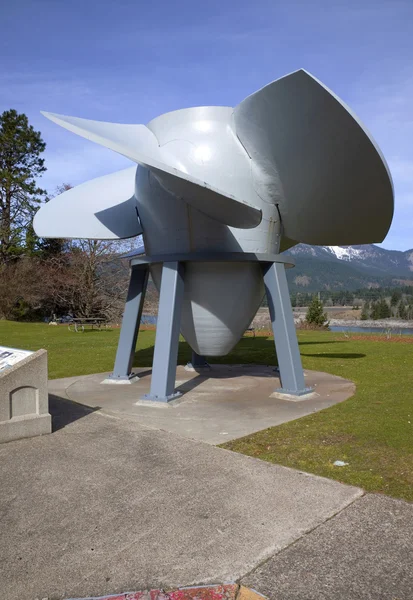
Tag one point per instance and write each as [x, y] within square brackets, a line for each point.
[344, 252]
[368, 258]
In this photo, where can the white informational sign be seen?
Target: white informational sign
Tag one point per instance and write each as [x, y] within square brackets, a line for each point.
[11, 356]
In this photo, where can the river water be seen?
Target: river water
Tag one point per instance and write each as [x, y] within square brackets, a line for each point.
[152, 319]
[377, 330]
[149, 319]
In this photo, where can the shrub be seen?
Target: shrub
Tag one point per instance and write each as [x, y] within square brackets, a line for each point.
[315, 314]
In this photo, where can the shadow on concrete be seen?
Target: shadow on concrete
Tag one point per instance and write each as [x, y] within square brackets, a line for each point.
[204, 375]
[66, 411]
[249, 350]
[145, 373]
[193, 383]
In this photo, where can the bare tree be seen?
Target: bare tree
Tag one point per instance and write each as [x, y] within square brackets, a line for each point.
[88, 280]
[84, 277]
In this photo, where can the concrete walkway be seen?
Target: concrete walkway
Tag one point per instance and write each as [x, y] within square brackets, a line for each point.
[363, 553]
[226, 403]
[105, 505]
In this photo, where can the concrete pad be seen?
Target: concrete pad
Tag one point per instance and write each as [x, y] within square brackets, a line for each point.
[364, 552]
[226, 403]
[104, 505]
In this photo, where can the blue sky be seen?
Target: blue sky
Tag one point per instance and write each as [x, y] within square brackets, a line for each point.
[130, 61]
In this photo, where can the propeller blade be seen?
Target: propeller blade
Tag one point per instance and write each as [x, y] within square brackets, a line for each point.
[136, 142]
[315, 159]
[139, 144]
[101, 209]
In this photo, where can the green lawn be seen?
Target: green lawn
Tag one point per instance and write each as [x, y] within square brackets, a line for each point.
[69, 353]
[93, 351]
[372, 431]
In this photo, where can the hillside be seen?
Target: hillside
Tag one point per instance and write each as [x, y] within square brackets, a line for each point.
[348, 268]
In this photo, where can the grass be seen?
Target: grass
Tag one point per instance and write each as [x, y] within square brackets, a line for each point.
[69, 353]
[94, 351]
[372, 431]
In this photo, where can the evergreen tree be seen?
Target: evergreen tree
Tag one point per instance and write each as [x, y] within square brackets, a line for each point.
[46, 247]
[383, 309]
[315, 313]
[365, 312]
[42, 247]
[20, 166]
[401, 311]
[395, 298]
[380, 310]
[375, 311]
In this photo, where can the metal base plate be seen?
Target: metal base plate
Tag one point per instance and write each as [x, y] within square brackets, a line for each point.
[150, 398]
[294, 396]
[127, 380]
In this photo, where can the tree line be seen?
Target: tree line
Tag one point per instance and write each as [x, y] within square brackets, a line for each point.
[398, 305]
[388, 303]
[44, 277]
[356, 298]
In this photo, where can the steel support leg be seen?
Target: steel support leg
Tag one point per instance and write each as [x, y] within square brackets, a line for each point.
[167, 334]
[122, 371]
[198, 362]
[285, 338]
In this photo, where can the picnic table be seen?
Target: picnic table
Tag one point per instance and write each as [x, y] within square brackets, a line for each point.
[79, 324]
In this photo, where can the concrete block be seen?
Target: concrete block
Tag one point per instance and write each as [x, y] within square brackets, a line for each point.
[24, 403]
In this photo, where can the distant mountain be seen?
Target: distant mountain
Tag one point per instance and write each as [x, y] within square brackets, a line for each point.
[348, 267]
